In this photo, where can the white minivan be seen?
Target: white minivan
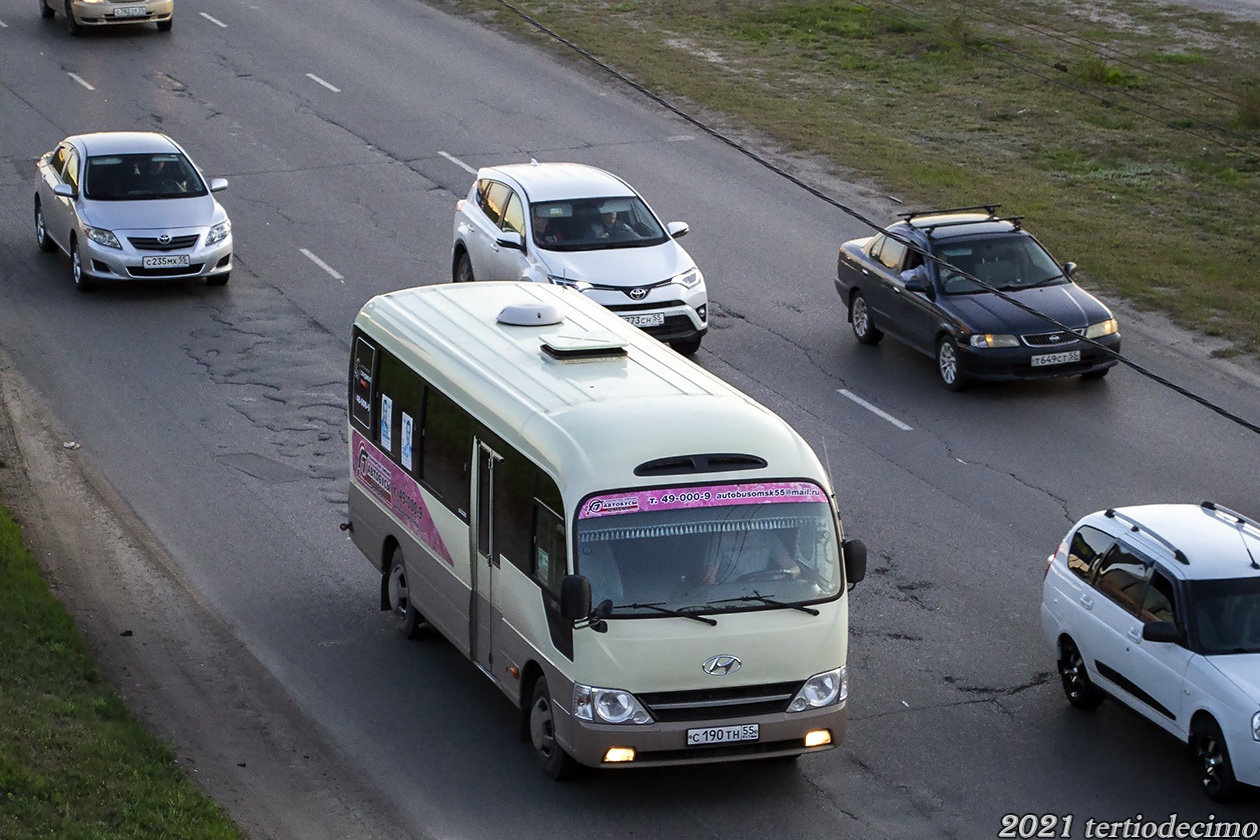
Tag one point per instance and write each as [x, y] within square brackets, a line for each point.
[646, 561]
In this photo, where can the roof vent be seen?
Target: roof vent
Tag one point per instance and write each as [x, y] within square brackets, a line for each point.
[700, 463]
[580, 348]
[530, 315]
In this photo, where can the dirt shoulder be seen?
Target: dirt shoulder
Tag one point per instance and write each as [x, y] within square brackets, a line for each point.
[234, 729]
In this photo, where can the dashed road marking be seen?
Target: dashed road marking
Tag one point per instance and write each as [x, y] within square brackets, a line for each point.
[315, 78]
[331, 271]
[213, 20]
[458, 162]
[877, 412]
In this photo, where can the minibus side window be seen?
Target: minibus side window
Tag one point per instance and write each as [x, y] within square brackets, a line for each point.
[514, 511]
[362, 374]
[551, 561]
[403, 391]
[447, 445]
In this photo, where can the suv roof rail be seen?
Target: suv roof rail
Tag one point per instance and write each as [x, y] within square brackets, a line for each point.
[1220, 511]
[1134, 525]
[991, 209]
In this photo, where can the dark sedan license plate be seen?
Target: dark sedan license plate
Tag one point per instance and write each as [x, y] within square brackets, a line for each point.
[723, 734]
[171, 261]
[1056, 358]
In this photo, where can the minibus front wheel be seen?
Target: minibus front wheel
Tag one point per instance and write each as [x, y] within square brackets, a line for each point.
[552, 758]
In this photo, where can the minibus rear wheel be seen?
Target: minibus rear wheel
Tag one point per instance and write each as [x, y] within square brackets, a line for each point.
[552, 758]
[410, 622]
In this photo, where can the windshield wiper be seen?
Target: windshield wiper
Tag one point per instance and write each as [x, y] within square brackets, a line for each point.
[769, 602]
[676, 613]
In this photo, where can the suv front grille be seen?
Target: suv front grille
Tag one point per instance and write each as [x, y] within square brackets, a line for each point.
[716, 703]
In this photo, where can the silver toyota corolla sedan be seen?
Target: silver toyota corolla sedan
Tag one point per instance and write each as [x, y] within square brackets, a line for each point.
[130, 205]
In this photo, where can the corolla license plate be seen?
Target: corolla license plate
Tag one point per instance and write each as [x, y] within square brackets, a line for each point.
[131, 11]
[723, 734]
[1056, 358]
[654, 319]
[168, 261]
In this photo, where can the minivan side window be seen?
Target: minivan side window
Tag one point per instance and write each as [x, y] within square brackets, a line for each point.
[1088, 544]
[1122, 578]
[1160, 603]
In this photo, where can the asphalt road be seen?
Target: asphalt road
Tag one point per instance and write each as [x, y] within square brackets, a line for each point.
[218, 415]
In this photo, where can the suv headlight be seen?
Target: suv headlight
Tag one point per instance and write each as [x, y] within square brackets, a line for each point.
[219, 232]
[1102, 328]
[820, 690]
[689, 278]
[607, 705]
[991, 340]
[568, 282]
[102, 237]
[1255, 726]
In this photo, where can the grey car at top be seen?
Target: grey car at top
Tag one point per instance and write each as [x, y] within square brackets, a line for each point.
[993, 329]
[574, 225]
[128, 206]
[82, 14]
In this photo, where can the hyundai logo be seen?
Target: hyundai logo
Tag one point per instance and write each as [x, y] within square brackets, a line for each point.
[638, 294]
[721, 665]
[165, 239]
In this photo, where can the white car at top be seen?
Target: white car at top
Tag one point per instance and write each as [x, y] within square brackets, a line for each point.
[575, 225]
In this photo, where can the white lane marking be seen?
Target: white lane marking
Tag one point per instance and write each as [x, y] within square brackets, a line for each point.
[680, 137]
[315, 78]
[3, 25]
[878, 413]
[80, 80]
[458, 162]
[215, 21]
[331, 271]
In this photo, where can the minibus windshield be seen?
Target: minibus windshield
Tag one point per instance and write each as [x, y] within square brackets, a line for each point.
[703, 548]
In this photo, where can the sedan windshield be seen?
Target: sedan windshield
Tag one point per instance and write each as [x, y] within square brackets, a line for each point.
[1006, 263]
[587, 224]
[142, 177]
[711, 549]
[1227, 615]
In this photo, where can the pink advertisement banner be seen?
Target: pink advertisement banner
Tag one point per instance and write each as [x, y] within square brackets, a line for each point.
[398, 492]
[715, 495]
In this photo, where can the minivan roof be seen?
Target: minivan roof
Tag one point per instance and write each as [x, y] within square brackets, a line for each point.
[1212, 543]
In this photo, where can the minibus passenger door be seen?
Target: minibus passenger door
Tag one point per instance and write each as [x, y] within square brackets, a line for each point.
[481, 613]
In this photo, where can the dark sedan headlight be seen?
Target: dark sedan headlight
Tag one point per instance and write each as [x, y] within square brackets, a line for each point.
[688, 279]
[821, 690]
[607, 705]
[102, 237]
[994, 340]
[219, 232]
[1102, 328]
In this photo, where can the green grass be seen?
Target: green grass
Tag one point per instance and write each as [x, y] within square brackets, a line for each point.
[73, 762]
[1126, 132]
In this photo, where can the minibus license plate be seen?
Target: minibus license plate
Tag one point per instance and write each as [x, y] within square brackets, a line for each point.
[723, 734]
[172, 261]
[131, 11]
[652, 319]
[1056, 358]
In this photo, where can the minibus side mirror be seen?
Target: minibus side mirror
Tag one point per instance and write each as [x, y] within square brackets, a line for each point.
[575, 598]
[1163, 631]
[854, 560]
[510, 239]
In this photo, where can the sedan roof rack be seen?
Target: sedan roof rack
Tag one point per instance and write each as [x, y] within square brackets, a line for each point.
[991, 209]
[1134, 525]
[1015, 221]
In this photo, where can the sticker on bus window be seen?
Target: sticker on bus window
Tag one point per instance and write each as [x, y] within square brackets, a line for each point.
[408, 426]
[387, 423]
[715, 495]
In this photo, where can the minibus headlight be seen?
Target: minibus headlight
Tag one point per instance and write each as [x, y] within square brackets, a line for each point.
[102, 237]
[219, 232]
[690, 278]
[607, 705]
[991, 340]
[820, 690]
[1102, 328]
[1255, 726]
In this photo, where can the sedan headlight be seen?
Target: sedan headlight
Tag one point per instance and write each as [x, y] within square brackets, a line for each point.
[689, 278]
[607, 705]
[1255, 726]
[219, 232]
[820, 690]
[992, 340]
[102, 237]
[1102, 328]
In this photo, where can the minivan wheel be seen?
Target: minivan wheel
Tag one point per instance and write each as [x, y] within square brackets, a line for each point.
[1077, 686]
[860, 316]
[42, 238]
[1211, 756]
[552, 758]
[947, 364]
[72, 25]
[410, 623]
[463, 269]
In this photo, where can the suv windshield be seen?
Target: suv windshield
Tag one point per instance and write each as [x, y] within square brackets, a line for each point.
[1006, 263]
[702, 549]
[1227, 615]
[141, 177]
[588, 224]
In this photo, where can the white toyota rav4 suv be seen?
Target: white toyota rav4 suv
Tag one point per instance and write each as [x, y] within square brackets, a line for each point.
[1158, 606]
[578, 226]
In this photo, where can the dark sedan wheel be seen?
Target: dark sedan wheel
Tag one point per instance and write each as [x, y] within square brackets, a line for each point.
[1077, 687]
[1216, 773]
[42, 238]
[463, 270]
[860, 317]
[947, 364]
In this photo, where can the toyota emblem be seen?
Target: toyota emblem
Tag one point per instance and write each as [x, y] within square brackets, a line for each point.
[165, 239]
[638, 294]
[721, 665]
